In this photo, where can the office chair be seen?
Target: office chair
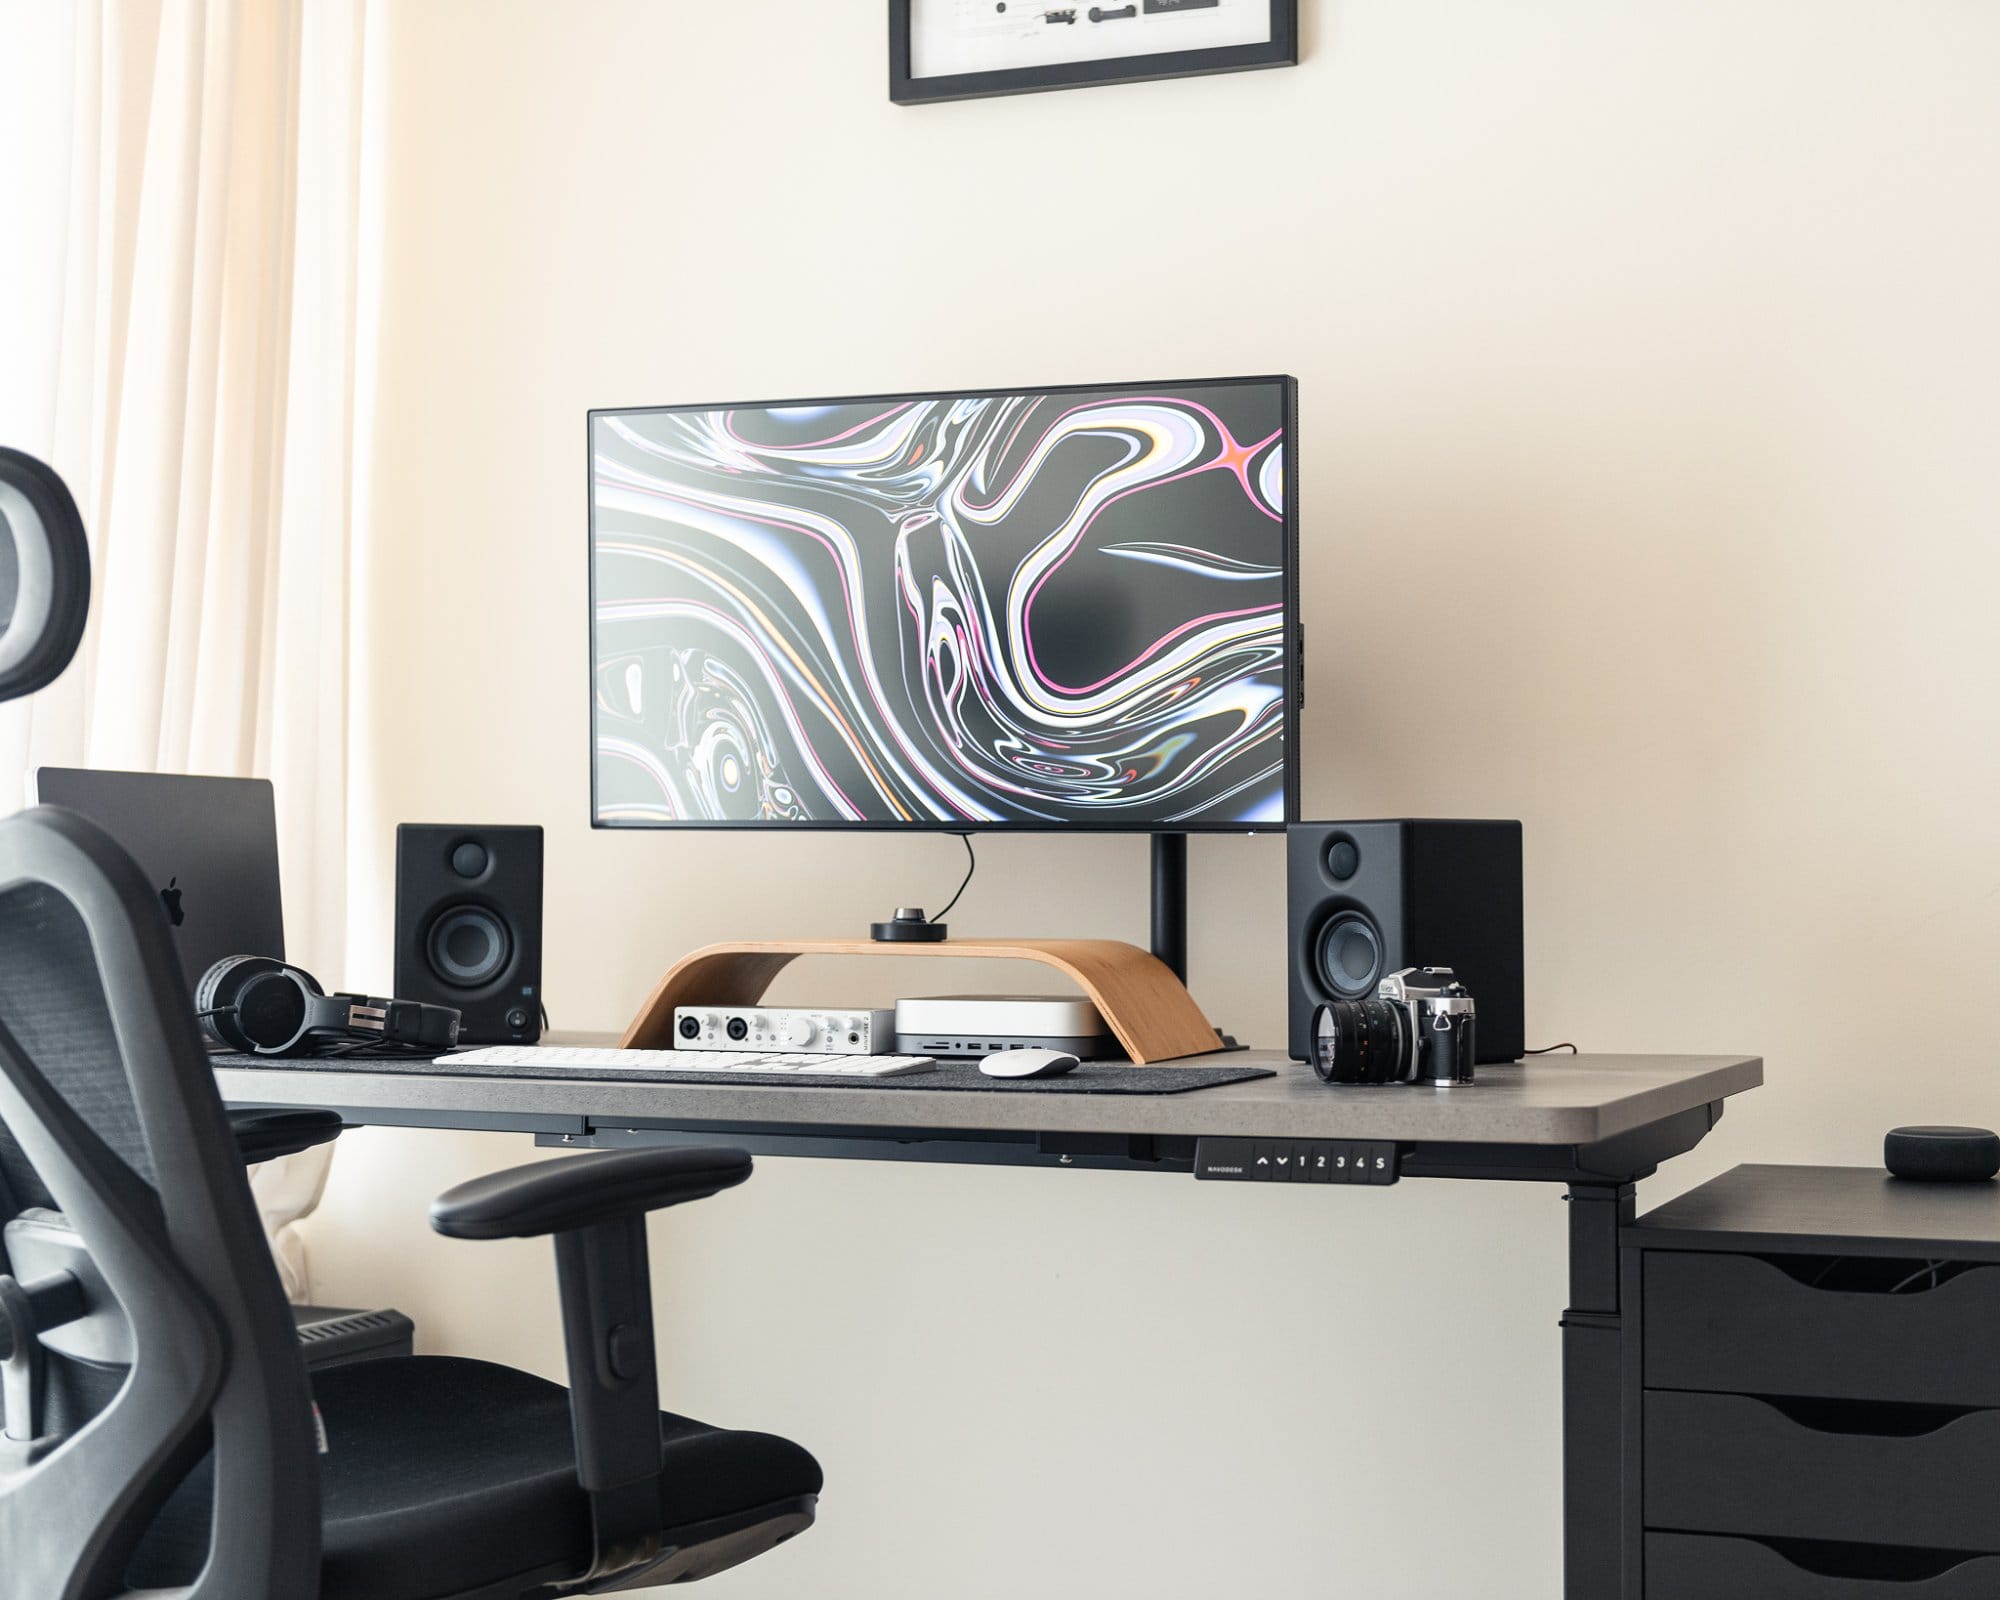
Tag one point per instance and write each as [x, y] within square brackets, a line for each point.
[157, 1430]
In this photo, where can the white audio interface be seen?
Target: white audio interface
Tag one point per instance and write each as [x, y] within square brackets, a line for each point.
[793, 1028]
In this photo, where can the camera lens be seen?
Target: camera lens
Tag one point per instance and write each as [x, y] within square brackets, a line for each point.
[1358, 1041]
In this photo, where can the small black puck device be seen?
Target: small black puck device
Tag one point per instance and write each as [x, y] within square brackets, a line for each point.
[1942, 1155]
[908, 926]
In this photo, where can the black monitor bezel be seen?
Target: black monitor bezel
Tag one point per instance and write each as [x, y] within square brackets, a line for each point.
[1288, 400]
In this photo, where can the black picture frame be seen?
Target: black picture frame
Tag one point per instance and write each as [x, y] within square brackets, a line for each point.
[1280, 50]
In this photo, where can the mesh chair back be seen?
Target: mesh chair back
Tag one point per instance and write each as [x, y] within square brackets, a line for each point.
[118, 1170]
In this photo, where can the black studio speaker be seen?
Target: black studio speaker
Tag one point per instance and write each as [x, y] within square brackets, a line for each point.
[469, 926]
[1367, 898]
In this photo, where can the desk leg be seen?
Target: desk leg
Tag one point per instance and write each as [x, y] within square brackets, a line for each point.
[1593, 1437]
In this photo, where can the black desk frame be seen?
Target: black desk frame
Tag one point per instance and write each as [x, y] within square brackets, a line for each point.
[1599, 1179]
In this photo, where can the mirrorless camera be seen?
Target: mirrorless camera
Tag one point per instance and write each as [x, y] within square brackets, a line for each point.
[1419, 1028]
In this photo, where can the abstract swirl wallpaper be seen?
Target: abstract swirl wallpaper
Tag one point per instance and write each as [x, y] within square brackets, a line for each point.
[1059, 609]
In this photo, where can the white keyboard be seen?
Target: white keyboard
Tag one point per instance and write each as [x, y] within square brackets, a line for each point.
[709, 1063]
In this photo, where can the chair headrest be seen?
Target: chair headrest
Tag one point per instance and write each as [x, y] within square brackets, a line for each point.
[44, 575]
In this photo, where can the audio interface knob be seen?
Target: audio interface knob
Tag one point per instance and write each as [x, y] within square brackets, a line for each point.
[798, 1032]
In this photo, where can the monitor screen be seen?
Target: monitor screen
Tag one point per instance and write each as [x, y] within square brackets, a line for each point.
[1036, 608]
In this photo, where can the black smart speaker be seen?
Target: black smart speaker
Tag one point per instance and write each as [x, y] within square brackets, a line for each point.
[469, 926]
[1366, 899]
[1936, 1154]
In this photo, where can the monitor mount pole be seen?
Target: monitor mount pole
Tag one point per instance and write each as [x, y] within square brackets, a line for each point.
[1170, 902]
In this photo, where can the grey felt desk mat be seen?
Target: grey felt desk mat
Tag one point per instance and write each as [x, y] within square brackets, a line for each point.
[1093, 1077]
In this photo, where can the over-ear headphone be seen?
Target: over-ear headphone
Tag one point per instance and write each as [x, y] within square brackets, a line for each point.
[266, 1008]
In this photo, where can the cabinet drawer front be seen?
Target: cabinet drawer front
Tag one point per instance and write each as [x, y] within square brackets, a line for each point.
[1693, 1566]
[1740, 1325]
[1721, 1463]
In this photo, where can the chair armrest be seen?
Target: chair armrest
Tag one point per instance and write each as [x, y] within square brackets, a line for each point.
[562, 1196]
[264, 1134]
[596, 1207]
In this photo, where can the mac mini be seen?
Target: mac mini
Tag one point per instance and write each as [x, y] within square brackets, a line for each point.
[981, 1024]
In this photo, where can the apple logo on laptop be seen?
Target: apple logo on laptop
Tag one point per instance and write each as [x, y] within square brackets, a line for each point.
[170, 897]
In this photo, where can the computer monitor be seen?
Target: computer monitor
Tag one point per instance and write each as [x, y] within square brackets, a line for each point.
[1022, 608]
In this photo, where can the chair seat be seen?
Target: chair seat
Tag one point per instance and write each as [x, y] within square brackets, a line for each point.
[444, 1475]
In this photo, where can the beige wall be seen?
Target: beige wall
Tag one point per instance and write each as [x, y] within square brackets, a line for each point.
[1650, 373]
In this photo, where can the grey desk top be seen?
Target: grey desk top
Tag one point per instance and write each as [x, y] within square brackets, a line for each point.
[1561, 1100]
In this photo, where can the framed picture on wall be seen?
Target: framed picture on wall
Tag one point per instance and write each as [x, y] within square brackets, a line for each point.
[959, 49]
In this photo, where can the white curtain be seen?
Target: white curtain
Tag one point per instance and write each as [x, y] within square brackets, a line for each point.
[185, 332]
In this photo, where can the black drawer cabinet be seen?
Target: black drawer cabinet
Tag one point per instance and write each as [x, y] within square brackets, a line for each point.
[1811, 1371]
[1744, 1324]
[1699, 1566]
[1733, 1463]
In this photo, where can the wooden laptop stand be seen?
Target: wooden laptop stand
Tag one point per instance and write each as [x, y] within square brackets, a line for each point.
[1146, 1007]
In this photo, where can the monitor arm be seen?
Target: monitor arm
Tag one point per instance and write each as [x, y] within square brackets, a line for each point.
[1170, 902]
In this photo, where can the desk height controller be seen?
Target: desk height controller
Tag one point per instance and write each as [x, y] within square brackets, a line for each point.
[1296, 1160]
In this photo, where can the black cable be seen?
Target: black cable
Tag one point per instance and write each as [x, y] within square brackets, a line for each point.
[971, 866]
[1820, 1276]
[1548, 1048]
[345, 1049]
[338, 1047]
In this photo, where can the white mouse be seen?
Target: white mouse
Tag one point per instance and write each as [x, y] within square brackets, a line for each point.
[1027, 1064]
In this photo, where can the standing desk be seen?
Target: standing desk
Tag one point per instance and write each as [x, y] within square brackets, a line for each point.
[1594, 1123]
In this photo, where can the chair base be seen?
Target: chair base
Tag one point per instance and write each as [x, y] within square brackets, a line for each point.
[707, 1548]
[698, 1550]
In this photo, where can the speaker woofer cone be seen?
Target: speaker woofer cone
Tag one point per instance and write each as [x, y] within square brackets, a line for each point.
[468, 946]
[1347, 956]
